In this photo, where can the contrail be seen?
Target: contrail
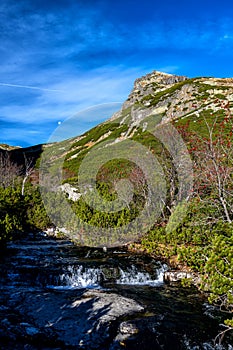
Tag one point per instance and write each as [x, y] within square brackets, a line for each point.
[29, 87]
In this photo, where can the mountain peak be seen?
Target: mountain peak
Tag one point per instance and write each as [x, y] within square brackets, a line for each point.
[152, 83]
[158, 78]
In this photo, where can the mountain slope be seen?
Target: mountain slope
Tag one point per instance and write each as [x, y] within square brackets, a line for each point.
[169, 99]
[158, 172]
[167, 115]
[191, 106]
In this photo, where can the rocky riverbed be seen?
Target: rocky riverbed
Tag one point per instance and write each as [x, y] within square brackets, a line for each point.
[58, 296]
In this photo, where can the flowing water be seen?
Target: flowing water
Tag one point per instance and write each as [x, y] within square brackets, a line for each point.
[173, 317]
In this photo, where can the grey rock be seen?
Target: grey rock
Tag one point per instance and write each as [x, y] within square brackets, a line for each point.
[85, 321]
[31, 331]
[151, 84]
[29, 347]
[5, 322]
[25, 324]
[3, 308]
[128, 328]
[174, 276]
[133, 331]
[72, 192]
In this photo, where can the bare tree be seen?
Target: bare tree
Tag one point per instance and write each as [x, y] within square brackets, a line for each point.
[9, 170]
[214, 166]
[28, 166]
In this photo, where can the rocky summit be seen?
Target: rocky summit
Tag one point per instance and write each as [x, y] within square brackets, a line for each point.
[179, 96]
[149, 83]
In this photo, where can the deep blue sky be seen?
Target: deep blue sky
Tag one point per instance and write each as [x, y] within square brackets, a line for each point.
[58, 57]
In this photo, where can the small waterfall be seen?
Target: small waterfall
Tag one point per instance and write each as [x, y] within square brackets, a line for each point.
[135, 277]
[81, 277]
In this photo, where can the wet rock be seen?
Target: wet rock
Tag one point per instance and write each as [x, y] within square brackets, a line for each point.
[31, 331]
[5, 322]
[29, 347]
[134, 334]
[3, 308]
[83, 319]
[15, 299]
[128, 328]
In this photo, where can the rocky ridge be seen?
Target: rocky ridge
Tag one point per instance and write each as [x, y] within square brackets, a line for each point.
[148, 84]
[178, 96]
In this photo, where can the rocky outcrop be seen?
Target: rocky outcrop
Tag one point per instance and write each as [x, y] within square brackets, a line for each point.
[175, 276]
[150, 84]
[84, 320]
[71, 191]
[178, 96]
[159, 78]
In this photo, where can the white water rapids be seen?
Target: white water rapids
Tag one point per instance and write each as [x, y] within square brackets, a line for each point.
[80, 276]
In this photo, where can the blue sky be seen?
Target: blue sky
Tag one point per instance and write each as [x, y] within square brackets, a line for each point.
[60, 57]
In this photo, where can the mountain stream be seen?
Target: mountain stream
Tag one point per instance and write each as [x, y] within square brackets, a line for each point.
[55, 295]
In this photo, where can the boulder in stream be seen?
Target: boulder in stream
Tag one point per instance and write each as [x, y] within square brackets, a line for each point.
[83, 319]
